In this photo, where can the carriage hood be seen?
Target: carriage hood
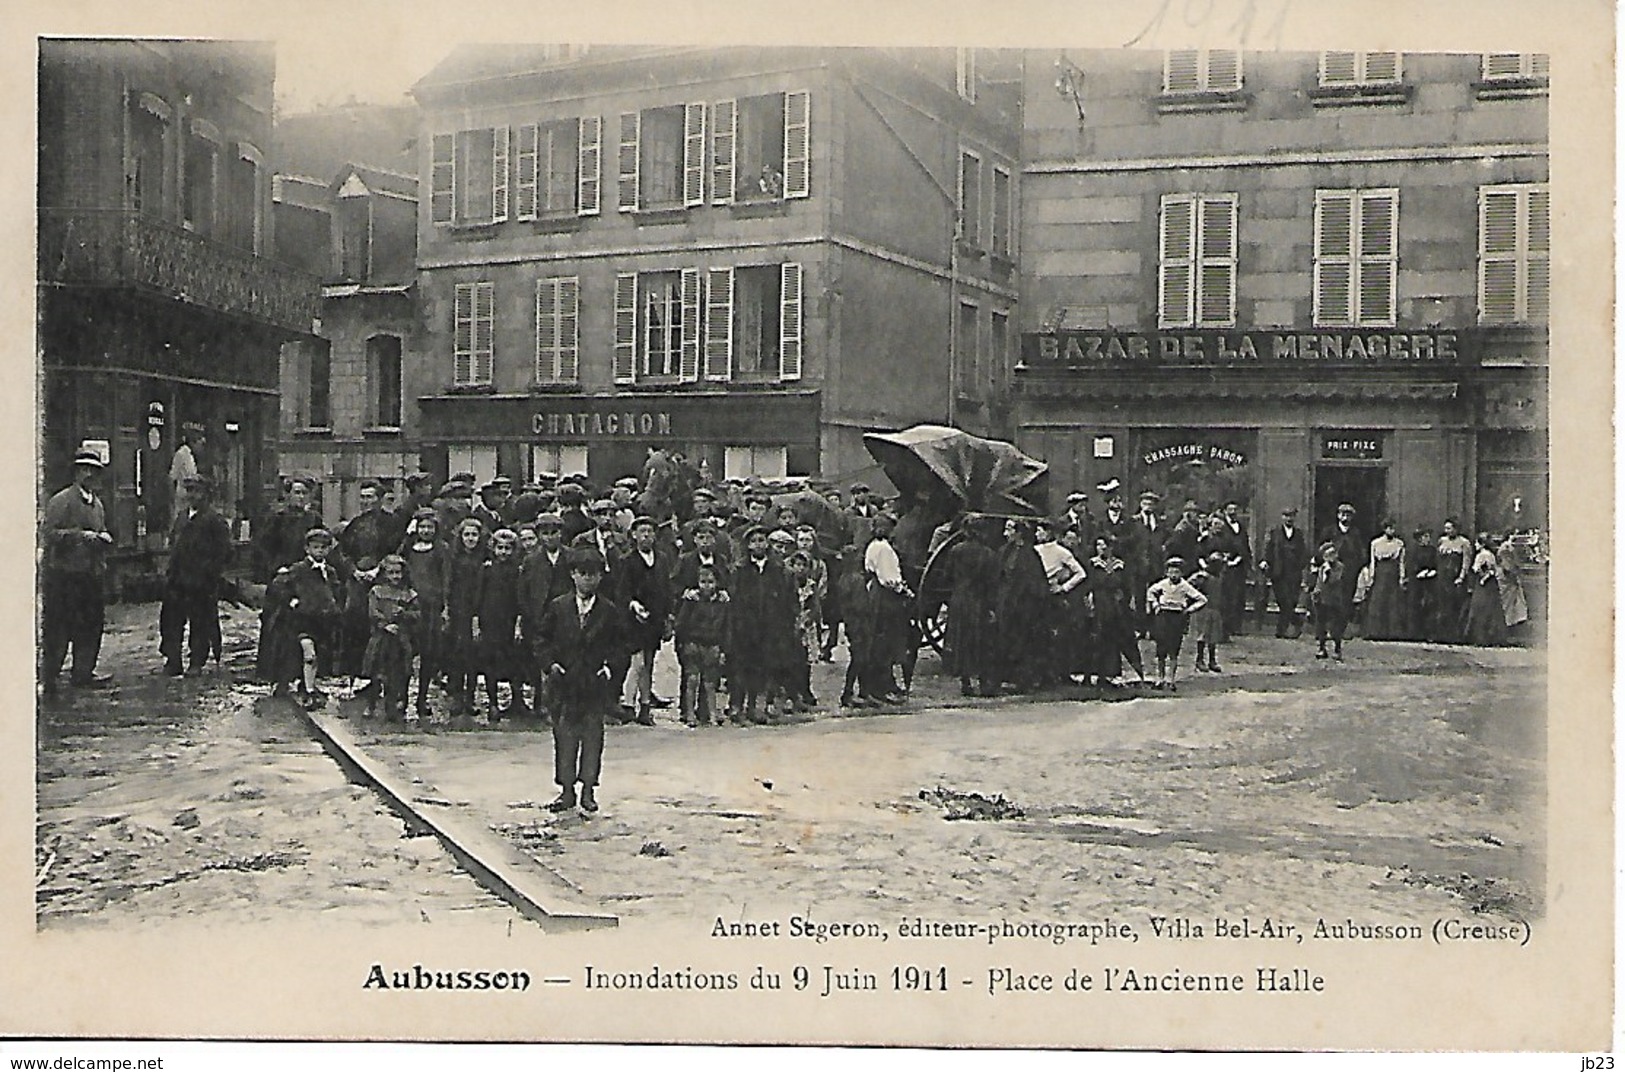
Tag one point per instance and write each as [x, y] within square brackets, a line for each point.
[986, 475]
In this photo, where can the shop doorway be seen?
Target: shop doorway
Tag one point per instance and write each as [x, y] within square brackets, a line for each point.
[1364, 486]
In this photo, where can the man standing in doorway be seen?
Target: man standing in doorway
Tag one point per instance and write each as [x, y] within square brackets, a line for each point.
[1353, 549]
[197, 565]
[1286, 556]
[75, 537]
[1238, 552]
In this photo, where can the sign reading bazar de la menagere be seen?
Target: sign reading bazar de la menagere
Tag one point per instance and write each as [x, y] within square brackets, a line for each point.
[1076, 349]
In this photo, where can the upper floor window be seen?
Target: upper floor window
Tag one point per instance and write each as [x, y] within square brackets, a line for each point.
[1514, 253]
[317, 411]
[558, 168]
[965, 73]
[662, 158]
[970, 354]
[1356, 257]
[473, 334]
[558, 343]
[1359, 69]
[970, 199]
[657, 325]
[1003, 206]
[200, 178]
[353, 220]
[1197, 272]
[1516, 66]
[384, 382]
[753, 322]
[245, 200]
[148, 177]
[760, 148]
[469, 176]
[1201, 71]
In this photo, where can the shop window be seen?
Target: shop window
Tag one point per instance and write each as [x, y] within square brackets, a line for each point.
[1356, 257]
[355, 237]
[557, 330]
[759, 148]
[742, 463]
[201, 176]
[473, 334]
[148, 177]
[970, 199]
[1201, 71]
[1197, 274]
[557, 168]
[470, 458]
[318, 409]
[384, 382]
[1339, 69]
[469, 176]
[557, 459]
[1514, 254]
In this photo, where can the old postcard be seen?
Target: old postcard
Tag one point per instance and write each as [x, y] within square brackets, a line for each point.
[994, 525]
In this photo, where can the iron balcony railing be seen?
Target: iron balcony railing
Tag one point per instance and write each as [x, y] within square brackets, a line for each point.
[113, 247]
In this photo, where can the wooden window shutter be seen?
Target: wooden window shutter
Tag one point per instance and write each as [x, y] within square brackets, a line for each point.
[1334, 258]
[719, 323]
[1379, 261]
[1339, 68]
[499, 174]
[1381, 67]
[462, 368]
[1538, 304]
[1502, 65]
[589, 164]
[1216, 285]
[688, 369]
[1497, 254]
[1539, 64]
[626, 327]
[724, 140]
[1223, 70]
[525, 183]
[1176, 282]
[797, 143]
[693, 155]
[547, 330]
[627, 200]
[569, 306]
[443, 182]
[485, 316]
[790, 321]
[1181, 71]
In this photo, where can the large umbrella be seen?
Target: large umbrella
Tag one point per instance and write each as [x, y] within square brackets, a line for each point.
[987, 476]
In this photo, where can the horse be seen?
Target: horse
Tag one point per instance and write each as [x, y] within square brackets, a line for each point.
[669, 482]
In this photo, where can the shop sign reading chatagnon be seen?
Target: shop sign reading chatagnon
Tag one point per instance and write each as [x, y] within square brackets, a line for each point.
[602, 424]
[1082, 349]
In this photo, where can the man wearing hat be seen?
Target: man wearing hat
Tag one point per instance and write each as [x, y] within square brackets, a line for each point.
[624, 495]
[605, 536]
[493, 509]
[1286, 557]
[1353, 549]
[643, 585]
[582, 636]
[280, 541]
[1076, 517]
[1187, 532]
[543, 577]
[74, 535]
[573, 519]
[192, 580]
[454, 503]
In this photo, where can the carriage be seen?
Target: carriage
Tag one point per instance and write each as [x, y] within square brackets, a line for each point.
[943, 475]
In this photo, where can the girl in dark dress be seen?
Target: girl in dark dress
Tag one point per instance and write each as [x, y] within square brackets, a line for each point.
[464, 576]
[428, 566]
[1424, 586]
[1451, 586]
[1486, 619]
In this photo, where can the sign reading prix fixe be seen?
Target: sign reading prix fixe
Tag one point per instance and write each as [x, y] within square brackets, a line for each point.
[1085, 349]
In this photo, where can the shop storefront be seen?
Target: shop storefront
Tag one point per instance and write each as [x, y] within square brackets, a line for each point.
[769, 435]
[1263, 419]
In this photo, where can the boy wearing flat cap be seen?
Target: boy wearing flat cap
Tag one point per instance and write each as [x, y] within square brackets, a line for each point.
[582, 635]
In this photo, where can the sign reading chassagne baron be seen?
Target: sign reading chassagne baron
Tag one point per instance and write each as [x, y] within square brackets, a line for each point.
[1075, 349]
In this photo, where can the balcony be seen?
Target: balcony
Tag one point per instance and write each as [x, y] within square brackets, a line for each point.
[116, 248]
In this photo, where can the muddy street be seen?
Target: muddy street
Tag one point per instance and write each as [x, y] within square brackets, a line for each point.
[1403, 784]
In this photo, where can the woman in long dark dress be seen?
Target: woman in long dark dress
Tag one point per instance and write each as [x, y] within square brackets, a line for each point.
[1023, 593]
[1115, 639]
[1424, 585]
[1385, 603]
[1486, 619]
[1451, 586]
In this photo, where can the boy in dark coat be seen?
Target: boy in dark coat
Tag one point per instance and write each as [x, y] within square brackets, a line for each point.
[316, 593]
[582, 634]
[763, 625]
[643, 585]
[496, 624]
[701, 629]
[192, 580]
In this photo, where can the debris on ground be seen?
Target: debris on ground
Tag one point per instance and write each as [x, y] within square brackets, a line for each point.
[654, 848]
[1482, 895]
[957, 804]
